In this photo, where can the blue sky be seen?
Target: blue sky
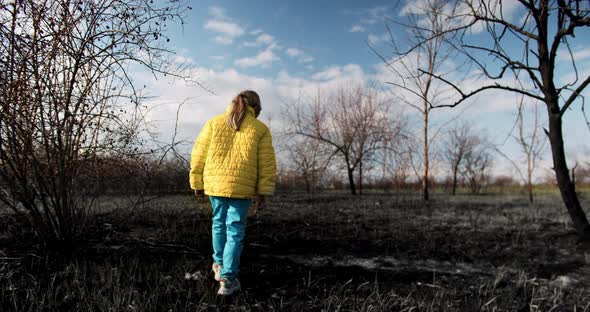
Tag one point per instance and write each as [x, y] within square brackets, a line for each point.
[283, 48]
[317, 29]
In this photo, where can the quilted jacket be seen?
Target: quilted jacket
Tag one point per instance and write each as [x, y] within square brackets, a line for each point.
[235, 164]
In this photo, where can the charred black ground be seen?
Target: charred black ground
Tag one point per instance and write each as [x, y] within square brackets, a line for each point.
[334, 252]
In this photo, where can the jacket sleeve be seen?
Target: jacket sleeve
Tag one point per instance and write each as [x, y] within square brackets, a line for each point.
[198, 156]
[267, 166]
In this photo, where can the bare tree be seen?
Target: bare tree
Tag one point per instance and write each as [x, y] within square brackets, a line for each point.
[458, 144]
[532, 145]
[68, 102]
[476, 163]
[544, 34]
[353, 123]
[400, 169]
[374, 129]
[468, 155]
[412, 86]
[310, 160]
[395, 159]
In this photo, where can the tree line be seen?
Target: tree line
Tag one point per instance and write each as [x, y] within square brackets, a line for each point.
[539, 34]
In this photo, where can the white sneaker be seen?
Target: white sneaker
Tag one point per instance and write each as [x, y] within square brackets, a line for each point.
[216, 271]
[228, 287]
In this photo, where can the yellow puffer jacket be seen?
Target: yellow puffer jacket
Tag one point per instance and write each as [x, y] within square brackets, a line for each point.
[235, 164]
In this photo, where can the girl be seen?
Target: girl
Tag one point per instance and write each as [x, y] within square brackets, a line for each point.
[233, 161]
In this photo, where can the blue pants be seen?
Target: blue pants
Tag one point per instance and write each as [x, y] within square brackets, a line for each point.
[229, 225]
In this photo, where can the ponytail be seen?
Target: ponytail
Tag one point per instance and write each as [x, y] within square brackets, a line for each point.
[240, 106]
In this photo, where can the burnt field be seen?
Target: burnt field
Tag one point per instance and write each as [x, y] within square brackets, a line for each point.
[335, 252]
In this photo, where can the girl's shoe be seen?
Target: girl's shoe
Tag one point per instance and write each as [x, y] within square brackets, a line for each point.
[216, 271]
[228, 287]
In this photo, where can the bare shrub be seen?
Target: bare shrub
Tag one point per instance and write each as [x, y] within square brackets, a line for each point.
[68, 102]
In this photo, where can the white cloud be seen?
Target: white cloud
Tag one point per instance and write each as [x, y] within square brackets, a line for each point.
[327, 74]
[357, 28]
[378, 39]
[223, 40]
[375, 15]
[301, 56]
[370, 16]
[578, 55]
[167, 93]
[262, 39]
[462, 13]
[262, 59]
[293, 52]
[226, 28]
[306, 59]
[265, 39]
[179, 59]
[229, 29]
[217, 12]
[353, 71]
[217, 57]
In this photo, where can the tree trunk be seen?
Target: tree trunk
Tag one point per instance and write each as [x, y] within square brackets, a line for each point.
[530, 178]
[425, 177]
[455, 169]
[307, 184]
[351, 181]
[566, 187]
[361, 178]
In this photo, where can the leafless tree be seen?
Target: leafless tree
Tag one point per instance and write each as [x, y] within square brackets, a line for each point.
[532, 145]
[395, 159]
[458, 144]
[309, 159]
[375, 129]
[352, 122]
[468, 155]
[397, 169]
[67, 101]
[400, 170]
[411, 85]
[476, 163]
[539, 37]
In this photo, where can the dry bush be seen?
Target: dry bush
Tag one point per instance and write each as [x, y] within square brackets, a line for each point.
[68, 103]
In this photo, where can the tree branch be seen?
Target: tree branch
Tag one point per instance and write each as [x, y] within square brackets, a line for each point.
[574, 95]
[507, 24]
[465, 96]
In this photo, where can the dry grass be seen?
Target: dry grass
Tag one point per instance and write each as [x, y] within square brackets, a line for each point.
[380, 252]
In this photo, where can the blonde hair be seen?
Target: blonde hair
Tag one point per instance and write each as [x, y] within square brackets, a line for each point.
[239, 108]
